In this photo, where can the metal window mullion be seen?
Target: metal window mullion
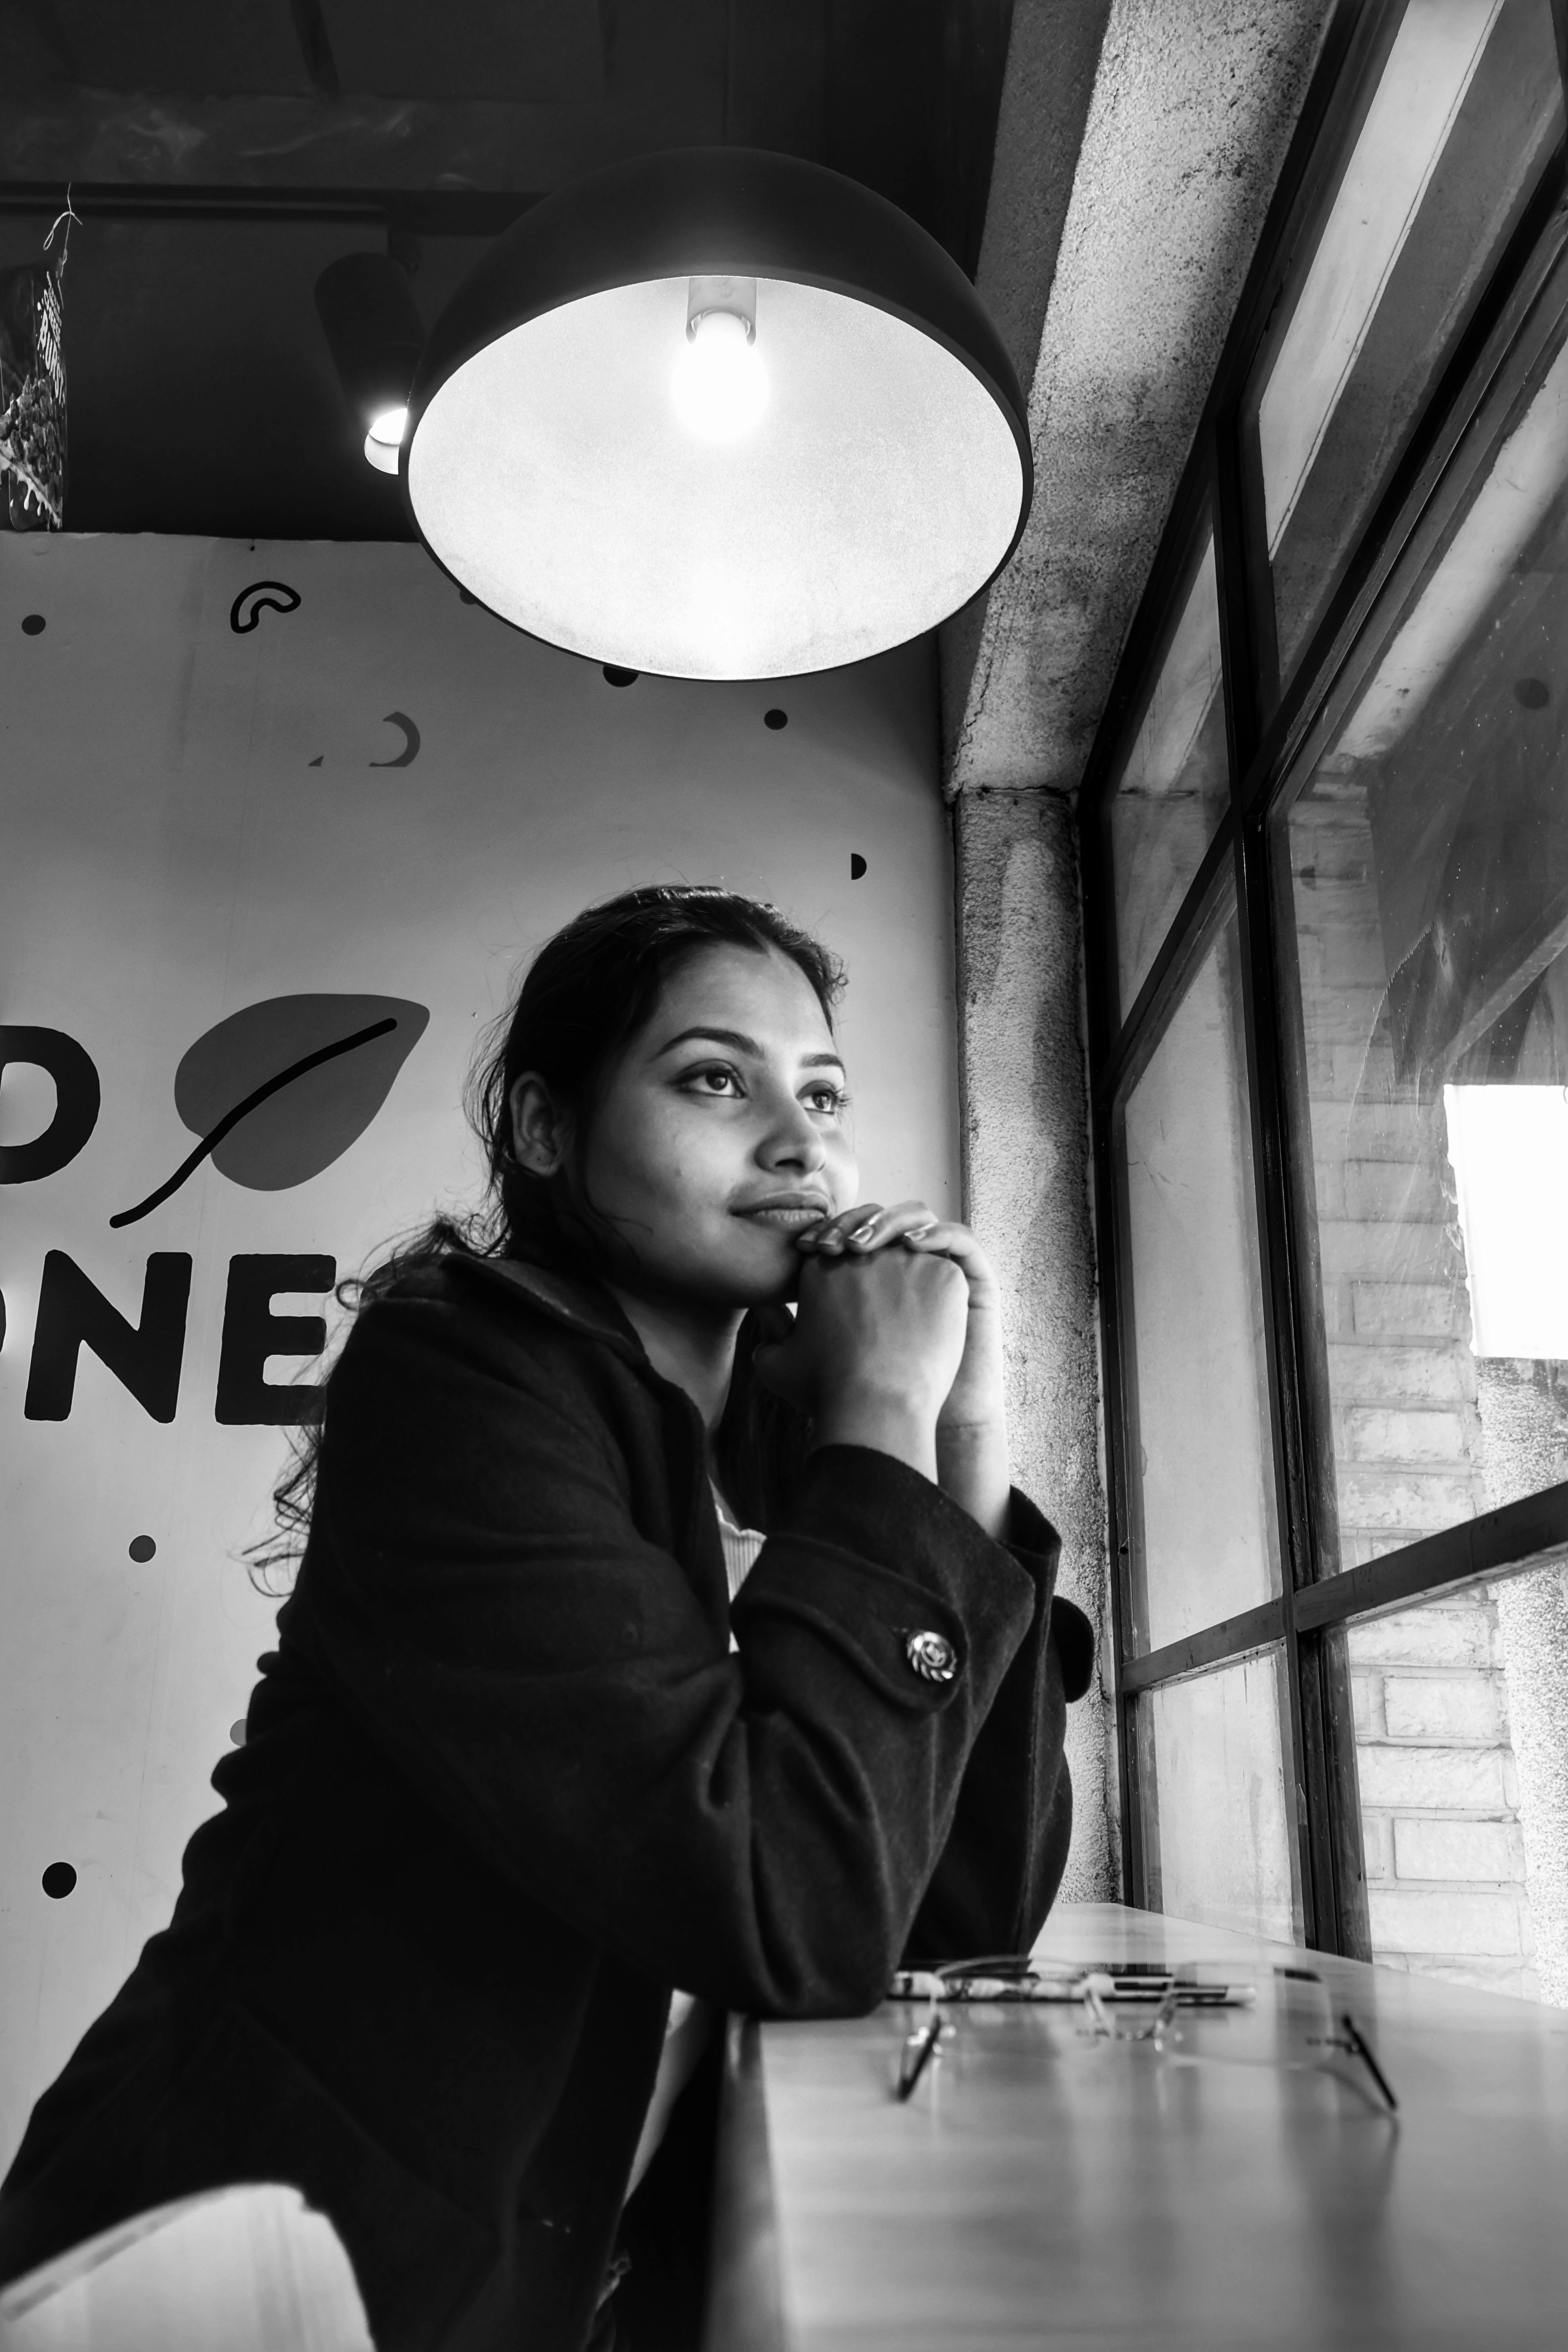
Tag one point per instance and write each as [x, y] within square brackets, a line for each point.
[1099, 937]
[1328, 1846]
[1328, 1820]
[1508, 1542]
[1120, 1446]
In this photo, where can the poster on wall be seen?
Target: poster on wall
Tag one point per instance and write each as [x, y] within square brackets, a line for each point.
[282, 823]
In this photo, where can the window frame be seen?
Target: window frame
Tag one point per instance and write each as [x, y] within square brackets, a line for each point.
[1271, 741]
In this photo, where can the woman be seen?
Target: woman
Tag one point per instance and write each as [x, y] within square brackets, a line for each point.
[651, 1654]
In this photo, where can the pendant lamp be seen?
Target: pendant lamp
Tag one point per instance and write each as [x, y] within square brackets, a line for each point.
[718, 414]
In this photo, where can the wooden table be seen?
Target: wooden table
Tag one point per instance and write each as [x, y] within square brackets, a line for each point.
[1043, 2188]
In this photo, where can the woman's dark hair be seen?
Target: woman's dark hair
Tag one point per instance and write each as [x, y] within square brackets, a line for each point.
[584, 997]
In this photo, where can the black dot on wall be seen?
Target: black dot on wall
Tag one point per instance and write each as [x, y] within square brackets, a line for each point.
[59, 1880]
[618, 677]
[236, 1733]
[32, 624]
[140, 1548]
[775, 720]
[857, 866]
[1532, 692]
[467, 596]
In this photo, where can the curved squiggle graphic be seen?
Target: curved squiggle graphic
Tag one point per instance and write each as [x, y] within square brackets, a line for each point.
[242, 1109]
[410, 751]
[267, 593]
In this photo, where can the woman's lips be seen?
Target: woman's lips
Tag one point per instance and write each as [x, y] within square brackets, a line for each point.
[787, 1219]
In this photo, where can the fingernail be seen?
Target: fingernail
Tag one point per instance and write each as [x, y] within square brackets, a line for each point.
[920, 1233]
[864, 1233]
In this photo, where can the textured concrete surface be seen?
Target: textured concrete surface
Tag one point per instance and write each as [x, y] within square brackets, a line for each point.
[1024, 1130]
[1053, 53]
[1192, 106]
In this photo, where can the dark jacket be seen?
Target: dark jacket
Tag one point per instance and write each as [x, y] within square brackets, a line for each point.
[504, 1784]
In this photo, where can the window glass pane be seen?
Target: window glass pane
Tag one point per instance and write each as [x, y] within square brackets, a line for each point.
[1466, 109]
[1461, 1733]
[1174, 782]
[1216, 1828]
[1428, 865]
[1201, 1486]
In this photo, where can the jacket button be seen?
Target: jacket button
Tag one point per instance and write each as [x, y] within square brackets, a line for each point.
[932, 1657]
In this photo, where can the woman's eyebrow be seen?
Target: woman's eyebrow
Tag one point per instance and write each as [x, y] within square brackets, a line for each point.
[741, 1044]
[733, 1038]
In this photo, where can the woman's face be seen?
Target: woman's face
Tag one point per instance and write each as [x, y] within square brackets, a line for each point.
[721, 1132]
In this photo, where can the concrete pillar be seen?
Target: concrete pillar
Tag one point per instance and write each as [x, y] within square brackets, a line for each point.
[1025, 1174]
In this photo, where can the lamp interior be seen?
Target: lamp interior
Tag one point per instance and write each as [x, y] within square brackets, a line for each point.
[878, 488]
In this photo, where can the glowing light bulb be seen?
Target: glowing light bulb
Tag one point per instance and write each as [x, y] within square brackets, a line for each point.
[719, 386]
[384, 438]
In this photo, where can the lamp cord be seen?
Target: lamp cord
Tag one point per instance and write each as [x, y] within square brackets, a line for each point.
[68, 216]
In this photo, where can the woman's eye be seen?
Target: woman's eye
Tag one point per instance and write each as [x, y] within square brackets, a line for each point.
[831, 1100]
[716, 1081]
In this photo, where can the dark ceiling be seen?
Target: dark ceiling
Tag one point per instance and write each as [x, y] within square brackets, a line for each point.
[222, 151]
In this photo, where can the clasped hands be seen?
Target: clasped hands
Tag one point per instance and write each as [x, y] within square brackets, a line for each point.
[897, 1345]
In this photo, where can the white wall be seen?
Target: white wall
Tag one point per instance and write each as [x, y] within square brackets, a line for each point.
[173, 853]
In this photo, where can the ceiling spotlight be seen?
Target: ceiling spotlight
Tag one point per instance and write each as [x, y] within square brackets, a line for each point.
[384, 438]
[718, 414]
[376, 335]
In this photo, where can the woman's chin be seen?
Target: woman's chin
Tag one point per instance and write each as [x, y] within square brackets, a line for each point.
[765, 1286]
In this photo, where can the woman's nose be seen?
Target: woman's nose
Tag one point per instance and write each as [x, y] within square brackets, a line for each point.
[794, 1139]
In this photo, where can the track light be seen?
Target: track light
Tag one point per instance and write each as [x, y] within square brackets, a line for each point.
[376, 336]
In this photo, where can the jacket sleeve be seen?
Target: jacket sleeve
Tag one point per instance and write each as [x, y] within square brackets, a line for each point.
[757, 1828]
[998, 1873]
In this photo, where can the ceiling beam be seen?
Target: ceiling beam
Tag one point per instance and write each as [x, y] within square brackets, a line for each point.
[426, 212]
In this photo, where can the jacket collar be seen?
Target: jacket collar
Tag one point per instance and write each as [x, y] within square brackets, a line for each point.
[581, 1306]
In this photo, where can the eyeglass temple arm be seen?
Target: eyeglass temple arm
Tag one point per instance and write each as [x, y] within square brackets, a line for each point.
[1362, 2048]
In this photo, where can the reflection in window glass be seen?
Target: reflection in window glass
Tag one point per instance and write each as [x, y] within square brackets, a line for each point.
[1466, 107]
[1201, 1485]
[1174, 782]
[1461, 1728]
[1216, 1828]
[1428, 862]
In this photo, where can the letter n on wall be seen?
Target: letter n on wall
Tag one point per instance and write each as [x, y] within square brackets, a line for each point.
[144, 1357]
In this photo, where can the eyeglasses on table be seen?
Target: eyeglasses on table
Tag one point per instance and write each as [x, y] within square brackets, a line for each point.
[1139, 2002]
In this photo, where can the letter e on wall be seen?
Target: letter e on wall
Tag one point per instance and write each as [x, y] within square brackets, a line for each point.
[251, 1332]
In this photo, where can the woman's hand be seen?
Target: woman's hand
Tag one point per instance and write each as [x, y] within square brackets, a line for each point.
[971, 1430]
[875, 1350]
[976, 1399]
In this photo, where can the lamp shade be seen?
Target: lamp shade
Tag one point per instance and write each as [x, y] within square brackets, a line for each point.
[718, 414]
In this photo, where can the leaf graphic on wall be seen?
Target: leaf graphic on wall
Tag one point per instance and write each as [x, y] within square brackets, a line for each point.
[280, 1089]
